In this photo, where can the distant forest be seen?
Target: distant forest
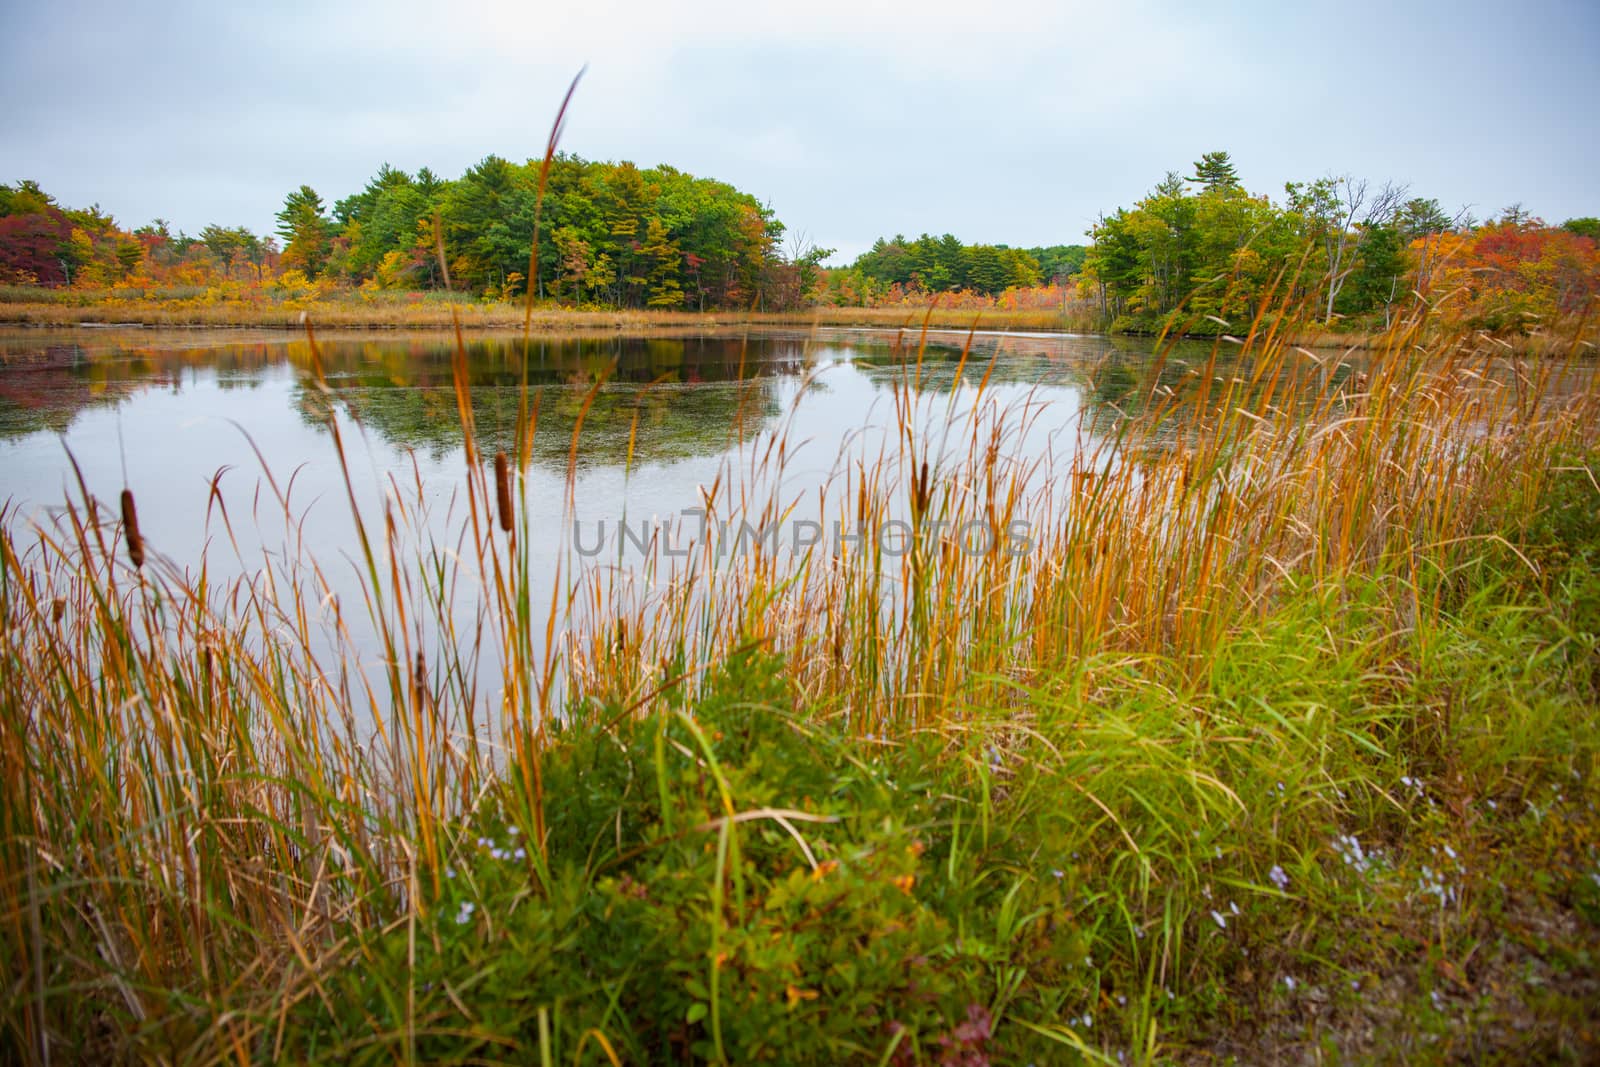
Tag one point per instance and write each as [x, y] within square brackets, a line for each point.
[1198, 252]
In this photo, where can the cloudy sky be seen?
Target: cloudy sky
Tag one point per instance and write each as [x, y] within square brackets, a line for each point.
[853, 119]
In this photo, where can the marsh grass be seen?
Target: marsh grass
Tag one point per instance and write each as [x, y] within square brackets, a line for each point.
[1285, 634]
[442, 310]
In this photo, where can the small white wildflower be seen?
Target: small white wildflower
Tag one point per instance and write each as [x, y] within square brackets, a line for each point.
[1220, 921]
[465, 914]
[513, 830]
[1288, 980]
[1278, 878]
[1233, 907]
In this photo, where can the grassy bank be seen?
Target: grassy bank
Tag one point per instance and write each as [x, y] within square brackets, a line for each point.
[70, 308]
[1278, 744]
[181, 309]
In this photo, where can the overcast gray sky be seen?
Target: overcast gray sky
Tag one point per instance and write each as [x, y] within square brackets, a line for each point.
[853, 119]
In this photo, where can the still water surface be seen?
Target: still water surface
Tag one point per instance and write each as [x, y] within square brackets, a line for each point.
[164, 413]
[214, 433]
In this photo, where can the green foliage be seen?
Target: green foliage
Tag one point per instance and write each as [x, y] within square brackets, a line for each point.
[1421, 218]
[1057, 263]
[1379, 276]
[306, 230]
[664, 924]
[1004, 891]
[1214, 172]
[609, 233]
[1202, 262]
[1588, 226]
[941, 264]
[25, 198]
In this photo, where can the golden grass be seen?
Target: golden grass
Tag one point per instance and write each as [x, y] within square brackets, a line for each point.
[354, 314]
[197, 799]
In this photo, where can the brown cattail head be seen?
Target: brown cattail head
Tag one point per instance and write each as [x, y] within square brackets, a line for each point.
[502, 489]
[130, 528]
[58, 608]
[419, 681]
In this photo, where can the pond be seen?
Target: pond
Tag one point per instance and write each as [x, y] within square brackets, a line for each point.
[163, 413]
[227, 440]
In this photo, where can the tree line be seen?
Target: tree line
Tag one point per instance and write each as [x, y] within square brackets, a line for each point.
[45, 244]
[612, 234]
[944, 264]
[1200, 251]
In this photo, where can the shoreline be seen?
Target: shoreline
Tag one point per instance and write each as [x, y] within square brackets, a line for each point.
[504, 318]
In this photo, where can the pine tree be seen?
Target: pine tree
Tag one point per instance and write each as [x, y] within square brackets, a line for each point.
[306, 231]
[1214, 171]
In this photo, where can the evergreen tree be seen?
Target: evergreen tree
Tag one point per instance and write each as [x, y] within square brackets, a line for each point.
[306, 230]
[1215, 171]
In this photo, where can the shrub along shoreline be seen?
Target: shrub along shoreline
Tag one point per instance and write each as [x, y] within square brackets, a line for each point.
[1282, 744]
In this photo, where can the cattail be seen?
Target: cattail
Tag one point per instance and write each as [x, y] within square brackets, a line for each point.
[130, 527]
[58, 609]
[502, 489]
[419, 681]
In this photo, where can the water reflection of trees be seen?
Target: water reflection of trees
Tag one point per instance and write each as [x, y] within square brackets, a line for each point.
[689, 393]
[1115, 378]
[671, 397]
[46, 383]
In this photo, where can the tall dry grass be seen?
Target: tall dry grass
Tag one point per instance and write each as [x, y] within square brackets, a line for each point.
[204, 807]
